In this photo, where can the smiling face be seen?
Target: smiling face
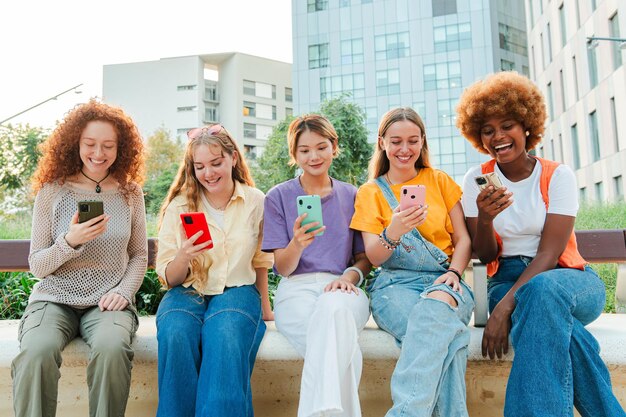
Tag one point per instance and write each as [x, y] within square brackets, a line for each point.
[314, 153]
[214, 168]
[504, 138]
[402, 144]
[98, 148]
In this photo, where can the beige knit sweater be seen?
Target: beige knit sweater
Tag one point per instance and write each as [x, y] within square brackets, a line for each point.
[114, 262]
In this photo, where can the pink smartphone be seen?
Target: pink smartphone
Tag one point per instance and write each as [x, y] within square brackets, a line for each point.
[193, 223]
[412, 196]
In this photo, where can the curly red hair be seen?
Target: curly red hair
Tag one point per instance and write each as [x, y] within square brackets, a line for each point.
[503, 94]
[60, 151]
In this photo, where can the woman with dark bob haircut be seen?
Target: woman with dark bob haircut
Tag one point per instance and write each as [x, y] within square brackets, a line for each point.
[89, 250]
[540, 289]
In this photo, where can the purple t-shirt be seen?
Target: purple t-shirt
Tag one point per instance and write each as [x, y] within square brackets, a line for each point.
[333, 251]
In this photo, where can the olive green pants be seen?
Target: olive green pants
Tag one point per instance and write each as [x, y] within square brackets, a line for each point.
[46, 328]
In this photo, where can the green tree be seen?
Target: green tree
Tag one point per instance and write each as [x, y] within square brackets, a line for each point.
[351, 164]
[19, 154]
[163, 157]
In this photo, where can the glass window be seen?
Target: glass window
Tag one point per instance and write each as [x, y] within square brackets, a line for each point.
[593, 5]
[352, 51]
[249, 109]
[288, 111]
[288, 94]
[250, 151]
[614, 125]
[548, 47]
[318, 56]
[452, 37]
[265, 90]
[446, 116]
[388, 82]
[507, 65]
[512, 39]
[614, 33]
[618, 184]
[562, 86]
[442, 76]
[336, 85]
[210, 92]
[392, 45]
[594, 135]
[249, 88]
[563, 24]
[583, 193]
[593, 67]
[550, 101]
[316, 5]
[575, 147]
[210, 115]
[599, 187]
[249, 130]
[443, 7]
[575, 76]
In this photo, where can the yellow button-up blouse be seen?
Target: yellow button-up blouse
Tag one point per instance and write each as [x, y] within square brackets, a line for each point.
[236, 248]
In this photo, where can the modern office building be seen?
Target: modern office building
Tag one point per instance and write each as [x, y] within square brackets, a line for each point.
[418, 53]
[584, 80]
[247, 94]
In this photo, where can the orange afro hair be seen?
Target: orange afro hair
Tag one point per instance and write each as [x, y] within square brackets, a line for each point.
[503, 94]
[60, 151]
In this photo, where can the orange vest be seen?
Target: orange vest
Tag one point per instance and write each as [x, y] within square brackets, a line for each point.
[570, 258]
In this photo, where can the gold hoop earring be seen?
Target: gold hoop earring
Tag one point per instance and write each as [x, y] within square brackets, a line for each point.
[527, 133]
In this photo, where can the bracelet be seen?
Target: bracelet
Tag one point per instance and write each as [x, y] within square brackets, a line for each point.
[455, 272]
[358, 271]
[385, 243]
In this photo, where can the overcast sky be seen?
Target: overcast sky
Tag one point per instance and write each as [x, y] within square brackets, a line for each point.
[48, 46]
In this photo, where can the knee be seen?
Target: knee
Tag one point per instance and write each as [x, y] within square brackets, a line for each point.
[442, 296]
[332, 302]
[542, 286]
[111, 347]
[42, 353]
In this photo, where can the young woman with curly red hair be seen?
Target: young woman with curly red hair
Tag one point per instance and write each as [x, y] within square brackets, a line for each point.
[541, 290]
[90, 270]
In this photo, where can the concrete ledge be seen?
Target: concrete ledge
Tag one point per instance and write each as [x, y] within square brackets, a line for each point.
[276, 378]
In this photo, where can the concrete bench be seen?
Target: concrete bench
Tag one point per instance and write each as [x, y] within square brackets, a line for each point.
[276, 377]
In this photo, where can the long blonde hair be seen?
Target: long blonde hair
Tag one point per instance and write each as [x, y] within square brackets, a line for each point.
[379, 164]
[187, 183]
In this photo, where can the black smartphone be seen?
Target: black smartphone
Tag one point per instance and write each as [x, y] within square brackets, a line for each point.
[87, 210]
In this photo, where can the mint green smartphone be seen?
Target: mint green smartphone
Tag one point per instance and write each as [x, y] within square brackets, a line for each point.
[312, 205]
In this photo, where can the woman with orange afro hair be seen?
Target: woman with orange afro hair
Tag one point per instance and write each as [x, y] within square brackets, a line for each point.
[541, 290]
[88, 248]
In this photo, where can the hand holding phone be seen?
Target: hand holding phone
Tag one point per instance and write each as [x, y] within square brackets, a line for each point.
[412, 196]
[485, 180]
[84, 227]
[312, 205]
[194, 223]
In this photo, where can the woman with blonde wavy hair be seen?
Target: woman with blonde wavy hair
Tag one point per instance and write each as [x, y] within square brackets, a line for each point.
[89, 270]
[210, 322]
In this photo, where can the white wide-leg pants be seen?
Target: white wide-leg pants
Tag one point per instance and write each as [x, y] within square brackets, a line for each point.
[324, 329]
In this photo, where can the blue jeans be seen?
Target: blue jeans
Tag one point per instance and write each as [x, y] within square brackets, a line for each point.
[207, 349]
[557, 363]
[429, 378]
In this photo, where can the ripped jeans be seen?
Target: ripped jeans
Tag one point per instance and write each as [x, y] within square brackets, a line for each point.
[429, 378]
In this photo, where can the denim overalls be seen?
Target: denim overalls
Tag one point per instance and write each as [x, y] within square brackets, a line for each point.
[429, 379]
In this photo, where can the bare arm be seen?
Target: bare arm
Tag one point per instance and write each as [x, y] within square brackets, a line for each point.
[286, 260]
[262, 285]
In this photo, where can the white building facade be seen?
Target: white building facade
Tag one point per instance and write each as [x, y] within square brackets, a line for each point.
[418, 53]
[245, 93]
[585, 85]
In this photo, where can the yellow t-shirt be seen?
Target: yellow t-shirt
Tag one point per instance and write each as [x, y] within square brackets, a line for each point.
[372, 212]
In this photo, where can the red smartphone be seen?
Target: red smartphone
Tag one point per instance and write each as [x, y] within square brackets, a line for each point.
[412, 196]
[195, 222]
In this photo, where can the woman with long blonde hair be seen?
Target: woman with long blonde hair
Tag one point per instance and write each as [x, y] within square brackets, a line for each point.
[210, 322]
